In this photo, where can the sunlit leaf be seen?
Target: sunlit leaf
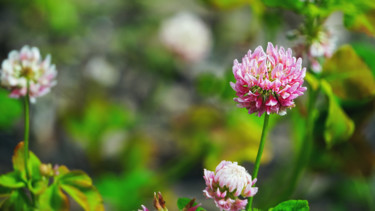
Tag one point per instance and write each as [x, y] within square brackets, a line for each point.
[300, 205]
[54, 199]
[18, 160]
[349, 76]
[88, 197]
[76, 178]
[12, 180]
[338, 126]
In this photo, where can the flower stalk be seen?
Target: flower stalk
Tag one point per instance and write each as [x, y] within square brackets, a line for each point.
[27, 128]
[259, 154]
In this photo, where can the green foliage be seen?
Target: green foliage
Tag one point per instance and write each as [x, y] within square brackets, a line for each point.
[367, 53]
[183, 202]
[338, 126]
[98, 118]
[292, 205]
[227, 4]
[350, 79]
[10, 110]
[288, 4]
[116, 189]
[209, 84]
[62, 16]
[50, 197]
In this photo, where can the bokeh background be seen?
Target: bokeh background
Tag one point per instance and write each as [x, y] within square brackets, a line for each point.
[143, 101]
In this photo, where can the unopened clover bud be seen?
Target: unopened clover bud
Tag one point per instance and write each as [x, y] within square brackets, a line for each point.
[190, 206]
[46, 170]
[144, 208]
[56, 170]
[159, 202]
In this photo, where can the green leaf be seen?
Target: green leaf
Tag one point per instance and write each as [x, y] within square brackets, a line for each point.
[54, 199]
[38, 186]
[88, 197]
[76, 178]
[312, 80]
[18, 160]
[338, 126]
[367, 52]
[292, 205]
[349, 76]
[17, 201]
[4, 191]
[182, 202]
[362, 22]
[79, 186]
[12, 180]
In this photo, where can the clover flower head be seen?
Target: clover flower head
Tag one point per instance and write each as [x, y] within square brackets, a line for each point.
[227, 184]
[27, 67]
[268, 81]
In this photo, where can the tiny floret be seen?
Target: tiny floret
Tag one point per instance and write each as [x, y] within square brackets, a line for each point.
[27, 68]
[228, 185]
[268, 81]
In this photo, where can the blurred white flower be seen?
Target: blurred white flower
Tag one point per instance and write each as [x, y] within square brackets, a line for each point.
[99, 70]
[186, 35]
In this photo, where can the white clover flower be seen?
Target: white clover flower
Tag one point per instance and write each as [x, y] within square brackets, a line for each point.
[27, 67]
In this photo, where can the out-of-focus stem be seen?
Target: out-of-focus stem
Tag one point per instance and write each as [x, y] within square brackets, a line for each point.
[304, 154]
[259, 155]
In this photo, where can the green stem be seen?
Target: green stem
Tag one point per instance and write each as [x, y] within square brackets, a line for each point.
[26, 138]
[259, 155]
[27, 126]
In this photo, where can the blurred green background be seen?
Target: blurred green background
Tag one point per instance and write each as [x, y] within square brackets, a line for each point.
[143, 101]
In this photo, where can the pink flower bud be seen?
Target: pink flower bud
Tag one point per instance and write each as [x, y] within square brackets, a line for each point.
[227, 184]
